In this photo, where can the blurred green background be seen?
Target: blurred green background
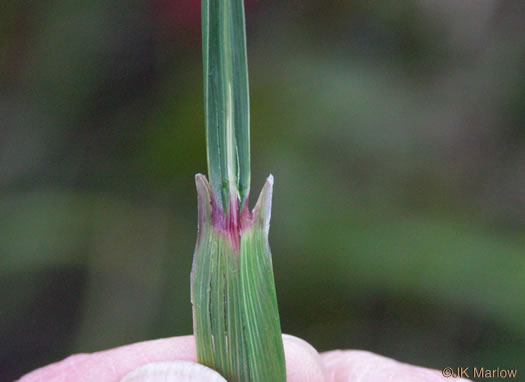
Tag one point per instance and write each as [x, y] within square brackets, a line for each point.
[395, 132]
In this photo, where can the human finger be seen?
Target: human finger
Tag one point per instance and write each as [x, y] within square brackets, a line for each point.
[302, 361]
[363, 366]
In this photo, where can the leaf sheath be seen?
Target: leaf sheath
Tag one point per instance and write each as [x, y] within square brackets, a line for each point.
[236, 319]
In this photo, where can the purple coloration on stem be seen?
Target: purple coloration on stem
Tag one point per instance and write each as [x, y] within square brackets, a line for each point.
[235, 222]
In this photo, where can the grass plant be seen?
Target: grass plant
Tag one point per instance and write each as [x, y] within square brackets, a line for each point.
[235, 314]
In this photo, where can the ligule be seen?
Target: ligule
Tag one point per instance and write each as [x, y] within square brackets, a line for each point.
[236, 319]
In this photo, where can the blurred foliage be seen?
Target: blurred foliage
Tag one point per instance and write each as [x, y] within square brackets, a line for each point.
[395, 133]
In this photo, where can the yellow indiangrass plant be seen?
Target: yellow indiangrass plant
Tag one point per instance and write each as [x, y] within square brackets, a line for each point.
[235, 315]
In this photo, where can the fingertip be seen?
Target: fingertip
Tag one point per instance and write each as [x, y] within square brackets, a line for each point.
[358, 365]
[111, 365]
[303, 362]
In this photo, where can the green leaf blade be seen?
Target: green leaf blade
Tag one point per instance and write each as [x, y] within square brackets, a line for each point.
[226, 101]
[241, 96]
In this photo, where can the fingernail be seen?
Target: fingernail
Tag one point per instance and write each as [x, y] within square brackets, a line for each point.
[171, 371]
